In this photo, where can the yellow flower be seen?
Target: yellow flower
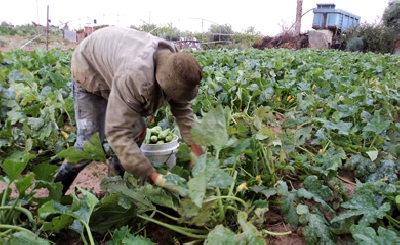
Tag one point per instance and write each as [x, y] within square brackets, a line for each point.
[241, 187]
[314, 86]
[17, 95]
[258, 177]
[64, 134]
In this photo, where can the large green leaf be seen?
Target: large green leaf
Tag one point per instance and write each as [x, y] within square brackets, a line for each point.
[316, 227]
[365, 203]
[80, 212]
[117, 185]
[317, 191]
[159, 196]
[92, 150]
[22, 237]
[45, 171]
[288, 203]
[197, 189]
[113, 211]
[378, 124]
[14, 165]
[220, 235]
[367, 235]
[123, 236]
[212, 130]
[249, 234]
[192, 215]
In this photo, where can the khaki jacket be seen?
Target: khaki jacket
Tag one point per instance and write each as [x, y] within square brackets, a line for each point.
[119, 65]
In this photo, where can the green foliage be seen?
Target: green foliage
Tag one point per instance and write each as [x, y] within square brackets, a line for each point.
[92, 150]
[3, 41]
[246, 39]
[367, 203]
[267, 120]
[367, 235]
[75, 217]
[249, 234]
[376, 37]
[355, 44]
[391, 15]
[316, 227]
[26, 30]
[145, 27]
[17, 220]
[220, 33]
[168, 32]
[123, 236]
[36, 102]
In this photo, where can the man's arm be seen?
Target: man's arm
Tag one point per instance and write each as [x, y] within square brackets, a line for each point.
[123, 128]
[185, 119]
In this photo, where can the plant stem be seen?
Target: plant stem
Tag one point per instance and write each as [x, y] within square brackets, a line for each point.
[373, 141]
[89, 233]
[167, 215]
[22, 210]
[175, 228]
[307, 151]
[246, 208]
[3, 200]
[345, 180]
[277, 233]
[393, 221]
[231, 208]
[230, 192]
[266, 162]
[13, 227]
[220, 206]
[326, 146]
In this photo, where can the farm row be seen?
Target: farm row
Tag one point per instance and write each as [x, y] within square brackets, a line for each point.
[311, 136]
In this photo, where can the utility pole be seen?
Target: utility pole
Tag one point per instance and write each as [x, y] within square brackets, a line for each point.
[47, 29]
[297, 28]
[38, 19]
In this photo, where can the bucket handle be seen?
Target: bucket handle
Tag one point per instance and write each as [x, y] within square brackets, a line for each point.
[172, 152]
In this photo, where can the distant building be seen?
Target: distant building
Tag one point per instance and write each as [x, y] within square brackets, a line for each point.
[189, 43]
[87, 30]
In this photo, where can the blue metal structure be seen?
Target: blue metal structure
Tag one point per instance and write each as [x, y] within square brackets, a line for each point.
[326, 16]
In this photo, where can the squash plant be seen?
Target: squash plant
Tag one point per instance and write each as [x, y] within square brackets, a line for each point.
[279, 127]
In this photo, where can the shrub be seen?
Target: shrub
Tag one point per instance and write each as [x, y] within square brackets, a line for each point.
[355, 44]
[3, 41]
[376, 38]
[391, 15]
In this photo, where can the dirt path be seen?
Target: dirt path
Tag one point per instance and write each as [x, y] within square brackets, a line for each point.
[88, 179]
[16, 42]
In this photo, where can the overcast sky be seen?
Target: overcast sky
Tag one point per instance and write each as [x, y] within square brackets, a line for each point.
[266, 16]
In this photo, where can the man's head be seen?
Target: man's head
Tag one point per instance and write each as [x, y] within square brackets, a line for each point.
[179, 75]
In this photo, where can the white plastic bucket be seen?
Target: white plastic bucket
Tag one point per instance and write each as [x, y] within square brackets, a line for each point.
[161, 153]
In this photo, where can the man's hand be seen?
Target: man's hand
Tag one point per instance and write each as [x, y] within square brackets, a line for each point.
[160, 180]
[197, 151]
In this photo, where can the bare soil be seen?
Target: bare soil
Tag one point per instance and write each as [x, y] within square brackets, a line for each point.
[19, 42]
[88, 179]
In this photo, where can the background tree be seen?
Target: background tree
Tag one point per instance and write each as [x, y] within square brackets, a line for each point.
[391, 15]
[246, 39]
[220, 33]
[145, 27]
[168, 32]
[376, 38]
